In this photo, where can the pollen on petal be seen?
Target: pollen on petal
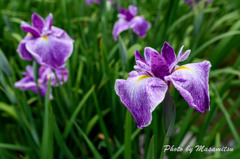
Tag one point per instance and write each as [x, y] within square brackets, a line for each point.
[29, 34]
[49, 75]
[45, 37]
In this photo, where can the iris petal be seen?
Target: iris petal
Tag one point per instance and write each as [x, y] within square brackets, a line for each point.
[139, 25]
[50, 51]
[37, 22]
[30, 29]
[22, 51]
[168, 53]
[141, 95]
[120, 26]
[191, 81]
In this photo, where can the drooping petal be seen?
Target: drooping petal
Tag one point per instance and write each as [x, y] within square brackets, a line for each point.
[141, 95]
[191, 81]
[120, 26]
[37, 22]
[27, 83]
[30, 29]
[22, 51]
[50, 51]
[60, 34]
[139, 25]
[168, 53]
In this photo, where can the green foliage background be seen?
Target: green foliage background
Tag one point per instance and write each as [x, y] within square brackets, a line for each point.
[86, 118]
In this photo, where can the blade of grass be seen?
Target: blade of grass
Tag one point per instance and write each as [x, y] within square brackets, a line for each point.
[47, 137]
[121, 149]
[150, 153]
[127, 135]
[77, 110]
[90, 144]
[102, 125]
[226, 114]
[14, 147]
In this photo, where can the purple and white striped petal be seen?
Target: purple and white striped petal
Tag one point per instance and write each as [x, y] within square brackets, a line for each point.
[141, 95]
[191, 81]
[22, 51]
[50, 51]
[60, 33]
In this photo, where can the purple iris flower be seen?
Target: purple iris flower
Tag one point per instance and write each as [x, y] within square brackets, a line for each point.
[49, 45]
[44, 74]
[195, 1]
[128, 19]
[146, 87]
[89, 2]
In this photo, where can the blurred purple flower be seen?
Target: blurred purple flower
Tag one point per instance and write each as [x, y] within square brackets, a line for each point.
[44, 74]
[49, 45]
[196, 1]
[89, 2]
[146, 87]
[128, 19]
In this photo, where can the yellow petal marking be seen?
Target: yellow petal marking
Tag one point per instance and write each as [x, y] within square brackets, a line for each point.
[45, 37]
[49, 75]
[142, 77]
[183, 67]
[29, 34]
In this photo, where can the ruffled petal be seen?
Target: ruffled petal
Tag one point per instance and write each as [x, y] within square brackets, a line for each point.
[50, 51]
[60, 34]
[139, 25]
[168, 53]
[141, 95]
[30, 29]
[120, 26]
[37, 22]
[22, 51]
[191, 81]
